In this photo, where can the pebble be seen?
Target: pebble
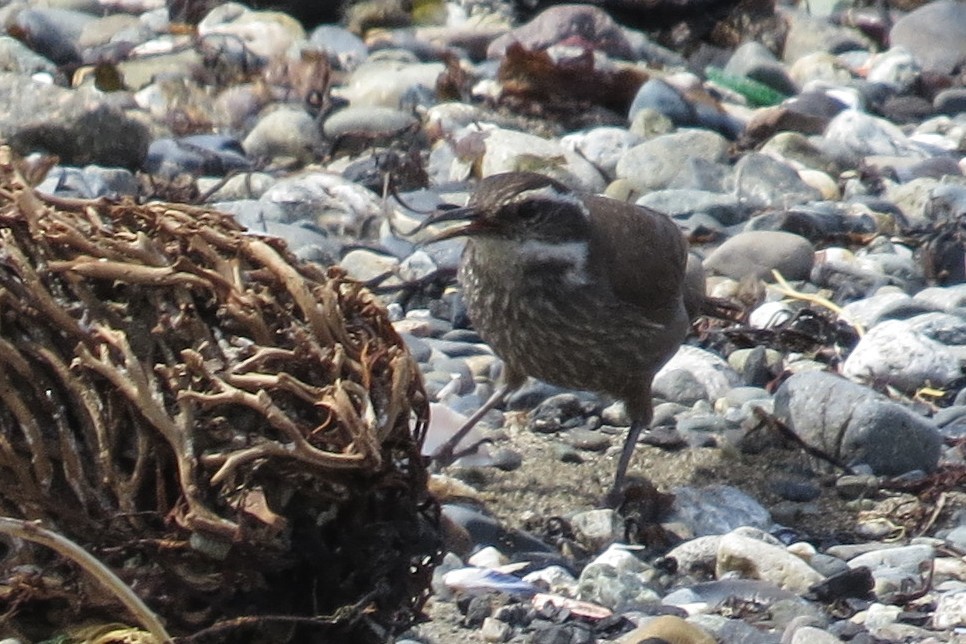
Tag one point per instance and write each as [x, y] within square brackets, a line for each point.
[851, 187]
[654, 164]
[668, 628]
[716, 509]
[759, 252]
[898, 354]
[756, 559]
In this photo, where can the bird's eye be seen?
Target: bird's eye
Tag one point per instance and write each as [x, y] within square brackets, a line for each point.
[528, 212]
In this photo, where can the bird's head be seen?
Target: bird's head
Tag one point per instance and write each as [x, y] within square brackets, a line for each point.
[517, 207]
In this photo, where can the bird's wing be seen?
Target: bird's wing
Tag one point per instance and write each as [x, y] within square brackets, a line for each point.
[649, 272]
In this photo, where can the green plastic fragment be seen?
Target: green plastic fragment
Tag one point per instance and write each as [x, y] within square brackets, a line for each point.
[758, 94]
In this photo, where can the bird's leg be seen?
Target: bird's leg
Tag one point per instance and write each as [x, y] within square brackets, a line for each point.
[639, 420]
[446, 453]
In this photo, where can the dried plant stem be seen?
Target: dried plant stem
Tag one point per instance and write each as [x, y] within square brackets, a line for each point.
[787, 290]
[32, 531]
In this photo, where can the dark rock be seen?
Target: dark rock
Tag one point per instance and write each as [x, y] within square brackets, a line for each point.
[854, 424]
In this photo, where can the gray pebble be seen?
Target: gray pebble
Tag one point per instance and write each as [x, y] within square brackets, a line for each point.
[757, 253]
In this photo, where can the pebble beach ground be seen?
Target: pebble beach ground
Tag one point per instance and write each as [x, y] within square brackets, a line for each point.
[807, 455]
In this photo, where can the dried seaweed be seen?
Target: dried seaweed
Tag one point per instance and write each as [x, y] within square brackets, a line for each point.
[568, 85]
[235, 433]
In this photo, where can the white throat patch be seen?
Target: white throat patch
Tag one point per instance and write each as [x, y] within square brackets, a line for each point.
[570, 256]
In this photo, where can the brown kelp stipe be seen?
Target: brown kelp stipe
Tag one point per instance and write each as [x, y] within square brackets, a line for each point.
[233, 432]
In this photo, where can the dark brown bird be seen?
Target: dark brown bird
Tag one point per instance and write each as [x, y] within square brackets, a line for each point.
[577, 290]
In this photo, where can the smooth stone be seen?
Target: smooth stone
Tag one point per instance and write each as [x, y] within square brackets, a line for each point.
[769, 315]
[757, 367]
[709, 370]
[16, 57]
[284, 132]
[252, 214]
[365, 265]
[866, 135]
[457, 370]
[345, 49]
[649, 123]
[617, 580]
[909, 558]
[895, 353]
[267, 34]
[755, 61]
[895, 68]
[588, 440]
[663, 98]
[510, 151]
[494, 630]
[90, 182]
[950, 101]
[705, 176]
[857, 425]
[667, 628]
[557, 578]
[856, 486]
[797, 149]
[592, 26]
[884, 304]
[945, 328]
[716, 510]
[485, 530]
[759, 560]
[679, 386]
[367, 122]
[697, 555]
[245, 185]
[679, 204]
[205, 154]
[933, 33]
[813, 635]
[653, 164]
[764, 181]
[757, 253]
[339, 206]
[53, 33]
[417, 267]
[602, 146]
[71, 124]
[560, 412]
[728, 629]
[770, 121]
[597, 529]
[799, 491]
[488, 557]
[808, 34]
[950, 611]
[895, 570]
[387, 83]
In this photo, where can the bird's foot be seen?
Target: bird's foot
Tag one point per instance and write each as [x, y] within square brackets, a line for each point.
[447, 454]
[638, 496]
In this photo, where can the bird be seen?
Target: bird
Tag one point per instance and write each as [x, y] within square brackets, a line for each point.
[577, 290]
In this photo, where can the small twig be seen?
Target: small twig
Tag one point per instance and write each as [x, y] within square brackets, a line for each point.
[770, 421]
[786, 289]
[32, 531]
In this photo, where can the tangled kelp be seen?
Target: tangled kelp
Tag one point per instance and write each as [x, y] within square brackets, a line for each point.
[234, 433]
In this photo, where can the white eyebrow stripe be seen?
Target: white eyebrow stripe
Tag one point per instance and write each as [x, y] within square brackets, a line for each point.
[549, 193]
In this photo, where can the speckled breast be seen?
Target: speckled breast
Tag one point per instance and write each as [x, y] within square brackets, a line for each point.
[579, 337]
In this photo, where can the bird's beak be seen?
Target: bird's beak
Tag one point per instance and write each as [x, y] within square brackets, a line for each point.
[468, 218]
